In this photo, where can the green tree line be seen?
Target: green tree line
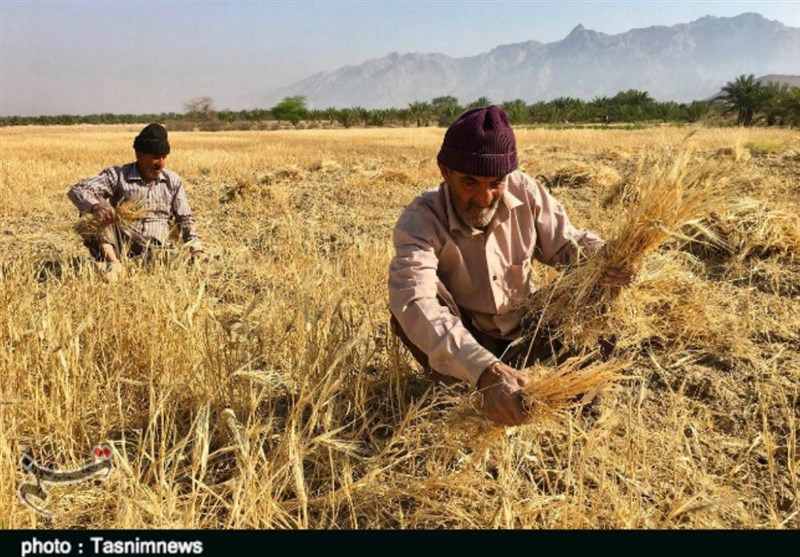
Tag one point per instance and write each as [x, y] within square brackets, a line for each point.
[750, 101]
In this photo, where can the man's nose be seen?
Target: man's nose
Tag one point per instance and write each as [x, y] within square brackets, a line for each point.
[485, 197]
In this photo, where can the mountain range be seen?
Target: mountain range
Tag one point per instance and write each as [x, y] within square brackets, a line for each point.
[684, 62]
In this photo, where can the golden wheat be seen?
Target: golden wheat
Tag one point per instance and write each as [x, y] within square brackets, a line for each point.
[126, 214]
[266, 391]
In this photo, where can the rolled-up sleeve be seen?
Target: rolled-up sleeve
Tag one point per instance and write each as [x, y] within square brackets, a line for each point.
[91, 191]
[414, 299]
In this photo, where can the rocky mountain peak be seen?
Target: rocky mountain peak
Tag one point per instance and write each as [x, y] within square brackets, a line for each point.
[684, 62]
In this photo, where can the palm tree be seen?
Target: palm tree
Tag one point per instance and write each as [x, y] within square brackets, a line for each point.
[776, 98]
[792, 106]
[401, 115]
[346, 117]
[516, 110]
[331, 113]
[377, 117]
[631, 105]
[598, 108]
[362, 113]
[695, 111]
[480, 102]
[421, 112]
[446, 109]
[569, 109]
[746, 96]
[666, 111]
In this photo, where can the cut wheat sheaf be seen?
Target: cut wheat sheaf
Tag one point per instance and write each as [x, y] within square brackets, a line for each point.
[667, 200]
[126, 214]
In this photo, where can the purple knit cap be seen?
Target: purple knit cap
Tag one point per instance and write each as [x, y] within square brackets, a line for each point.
[481, 142]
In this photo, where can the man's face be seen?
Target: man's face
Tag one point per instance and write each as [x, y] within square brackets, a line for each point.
[150, 165]
[475, 198]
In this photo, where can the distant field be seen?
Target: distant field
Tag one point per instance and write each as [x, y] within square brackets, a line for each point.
[264, 391]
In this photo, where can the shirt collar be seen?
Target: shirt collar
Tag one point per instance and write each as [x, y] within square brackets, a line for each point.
[508, 203]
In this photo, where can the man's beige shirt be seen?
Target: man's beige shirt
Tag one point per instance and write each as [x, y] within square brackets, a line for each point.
[486, 273]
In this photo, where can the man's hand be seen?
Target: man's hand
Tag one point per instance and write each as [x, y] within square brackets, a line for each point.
[198, 257]
[104, 212]
[621, 275]
[501, 386]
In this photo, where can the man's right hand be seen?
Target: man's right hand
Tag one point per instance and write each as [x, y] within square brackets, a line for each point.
[501, 386]
[104, 212]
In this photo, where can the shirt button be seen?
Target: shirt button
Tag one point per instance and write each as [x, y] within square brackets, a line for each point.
[494, 277]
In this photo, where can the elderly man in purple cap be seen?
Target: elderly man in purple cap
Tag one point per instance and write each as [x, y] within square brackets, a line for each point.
[462, 262]
[162, 192]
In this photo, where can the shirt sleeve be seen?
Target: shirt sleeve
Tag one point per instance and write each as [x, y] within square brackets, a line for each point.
[414, 292]
[559, 243]
[184, 217]
[93, 190]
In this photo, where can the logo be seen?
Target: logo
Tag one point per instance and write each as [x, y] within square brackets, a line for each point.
[99, 469]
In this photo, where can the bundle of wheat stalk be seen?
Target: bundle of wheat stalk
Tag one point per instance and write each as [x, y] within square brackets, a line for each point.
[669, 195]
[575, 382]
[579, 174]
[126, 214]
[752, 228]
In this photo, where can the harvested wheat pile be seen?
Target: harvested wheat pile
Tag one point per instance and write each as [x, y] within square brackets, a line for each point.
[245, 188]
[736, 153]
[614, 154]
[756, 229]
[669, 194]
[579, 174]
[674, 306]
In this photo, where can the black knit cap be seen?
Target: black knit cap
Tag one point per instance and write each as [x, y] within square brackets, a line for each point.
[481, 142]
[152, 139]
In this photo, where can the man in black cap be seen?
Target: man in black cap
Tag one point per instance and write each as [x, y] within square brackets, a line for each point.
[462, 263]
[161, 192]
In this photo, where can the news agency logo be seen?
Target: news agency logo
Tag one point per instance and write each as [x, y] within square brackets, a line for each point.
[110, 546]
[99, 469]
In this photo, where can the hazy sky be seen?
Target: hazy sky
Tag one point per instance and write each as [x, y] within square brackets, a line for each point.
[80, 57]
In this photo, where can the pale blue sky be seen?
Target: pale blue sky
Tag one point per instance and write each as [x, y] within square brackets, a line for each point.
[79, 57]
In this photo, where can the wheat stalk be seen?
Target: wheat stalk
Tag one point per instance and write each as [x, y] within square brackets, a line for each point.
[573, 383]
[126, 214]
[666, 200]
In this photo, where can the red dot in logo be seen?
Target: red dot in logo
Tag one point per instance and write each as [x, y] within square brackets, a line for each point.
[98, 452]
[106, 452]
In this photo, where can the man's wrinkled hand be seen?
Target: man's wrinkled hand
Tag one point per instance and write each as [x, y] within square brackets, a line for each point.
[501, 386]
[198, 258]
[104, 212]
[621, 275]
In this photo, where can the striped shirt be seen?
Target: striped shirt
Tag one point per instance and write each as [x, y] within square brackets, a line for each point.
[164, 199]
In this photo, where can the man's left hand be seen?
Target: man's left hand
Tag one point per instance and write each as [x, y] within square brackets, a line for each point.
[502, 386]
[621, 275]
[198, 257]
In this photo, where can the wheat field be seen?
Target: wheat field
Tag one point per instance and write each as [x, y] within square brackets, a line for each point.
[264, 389]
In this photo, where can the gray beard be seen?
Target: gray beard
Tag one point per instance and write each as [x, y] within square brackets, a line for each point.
[478, 220]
